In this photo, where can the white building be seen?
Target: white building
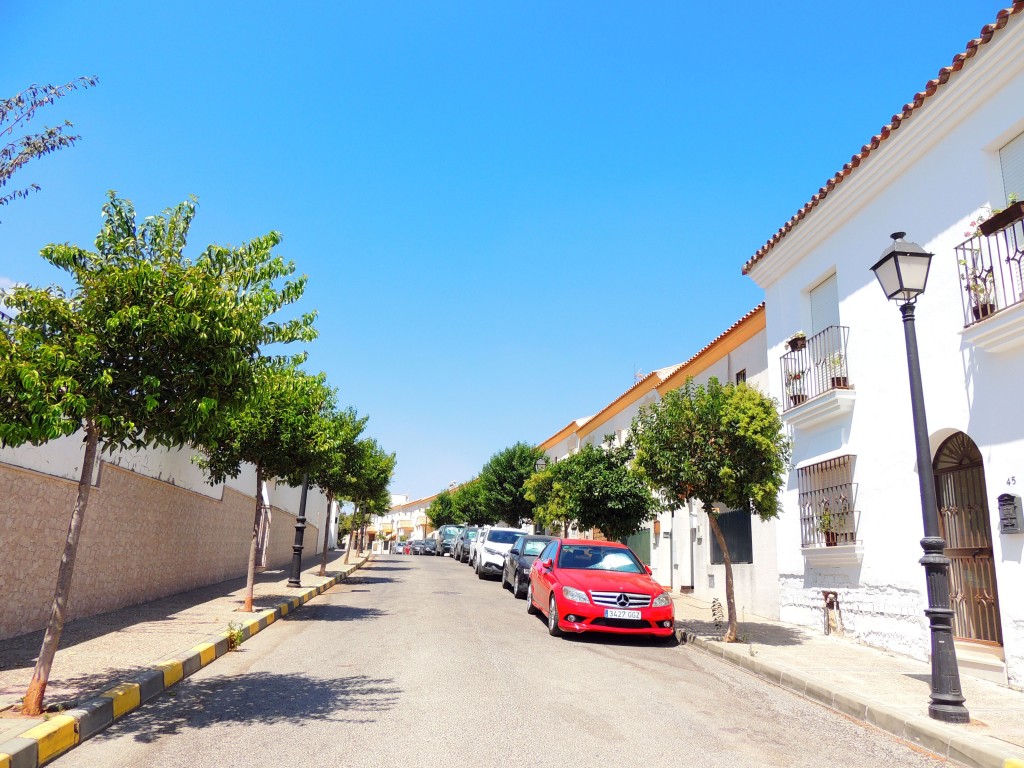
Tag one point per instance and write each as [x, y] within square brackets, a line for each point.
[955, 150]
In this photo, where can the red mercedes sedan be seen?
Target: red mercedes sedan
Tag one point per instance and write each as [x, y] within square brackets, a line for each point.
[598, 586]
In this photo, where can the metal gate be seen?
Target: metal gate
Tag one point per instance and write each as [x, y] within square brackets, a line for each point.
[640, 543]
[964, 523]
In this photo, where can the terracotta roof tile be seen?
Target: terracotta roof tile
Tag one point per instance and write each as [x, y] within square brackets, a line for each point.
[987, 32]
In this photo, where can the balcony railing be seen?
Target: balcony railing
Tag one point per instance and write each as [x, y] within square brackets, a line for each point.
[990, 272]
[827, 499]
[818, 367]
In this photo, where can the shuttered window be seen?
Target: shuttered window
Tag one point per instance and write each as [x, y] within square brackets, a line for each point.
[736, 532]
[824, 305]
[1011, 160]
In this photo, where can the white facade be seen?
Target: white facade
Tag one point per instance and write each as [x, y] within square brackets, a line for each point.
[930, 178]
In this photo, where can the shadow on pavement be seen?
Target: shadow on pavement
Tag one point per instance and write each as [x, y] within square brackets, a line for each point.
[763, 634]
[360, 581]
[257, 697]
[371, 568]
[330, 612]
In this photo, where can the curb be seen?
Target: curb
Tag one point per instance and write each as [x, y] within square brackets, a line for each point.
[973, 751]
[49, 740]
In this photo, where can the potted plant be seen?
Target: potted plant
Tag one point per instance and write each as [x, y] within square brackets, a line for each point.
[979, 282]
[828, 525]
[834, 368]
[795, 386]
[797, 341]
[1001, 219]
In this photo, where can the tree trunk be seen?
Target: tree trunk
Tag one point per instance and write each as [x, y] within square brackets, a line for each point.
[327, 530]
[33, 703]
[730, 597]
[250, 571]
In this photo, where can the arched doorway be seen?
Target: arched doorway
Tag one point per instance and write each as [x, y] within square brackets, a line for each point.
[964, 523]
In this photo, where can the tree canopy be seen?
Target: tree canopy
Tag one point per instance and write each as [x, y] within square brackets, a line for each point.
[442, 510]
[502, 481]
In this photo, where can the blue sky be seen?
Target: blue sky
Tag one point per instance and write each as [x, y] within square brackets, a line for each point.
[505, 209]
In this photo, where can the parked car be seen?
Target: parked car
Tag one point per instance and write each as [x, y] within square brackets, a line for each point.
[460, 549]
[430, 547]
[446, 538]
[400, 548]
[516, 572]
[474, 546]
[416, 547]
[491, 549]
[598, 586]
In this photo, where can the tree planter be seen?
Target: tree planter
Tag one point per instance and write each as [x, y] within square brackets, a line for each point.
[797, 343]
[797, 399]
[982, 310]
[1003, 219]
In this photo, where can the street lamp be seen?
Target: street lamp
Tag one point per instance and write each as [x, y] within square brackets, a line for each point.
[903, 272]
[295, 580]
[541, 464]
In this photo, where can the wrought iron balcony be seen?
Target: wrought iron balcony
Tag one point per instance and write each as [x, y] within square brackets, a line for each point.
[827, 503]
[990, 268]
[817, 367]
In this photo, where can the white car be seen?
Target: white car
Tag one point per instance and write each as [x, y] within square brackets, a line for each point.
[474, 547]
[491, 548]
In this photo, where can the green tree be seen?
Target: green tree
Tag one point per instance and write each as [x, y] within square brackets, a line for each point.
[283, 429]
[442, 510]
[502, 481]
[468, 500]
[602, 492]
[19, 110]
[149, 347]
[336, 474]
[716, 444]
[369, 494]
[548, 490]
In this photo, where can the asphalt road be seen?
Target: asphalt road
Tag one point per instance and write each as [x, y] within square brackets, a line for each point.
[416, 662]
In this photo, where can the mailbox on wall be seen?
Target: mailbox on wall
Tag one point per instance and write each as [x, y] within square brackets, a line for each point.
[1010, 514]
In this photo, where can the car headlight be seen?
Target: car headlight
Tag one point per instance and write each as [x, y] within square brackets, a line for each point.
[576, 595]
[662, 600]
[490, 551]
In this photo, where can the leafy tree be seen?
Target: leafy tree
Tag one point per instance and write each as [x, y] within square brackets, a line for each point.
[468, 500]
[16, 112]
[602, 492]
[502, 481]
[442, 510]
[716, 444]
[369, 494]
[149, 347]
[283, 428]
[336, 474]
[548, 490]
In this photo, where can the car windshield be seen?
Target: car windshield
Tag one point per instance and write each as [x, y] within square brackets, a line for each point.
[534, 547]
[471, 535]
[596, 558]
[450, 534]
[503, 537]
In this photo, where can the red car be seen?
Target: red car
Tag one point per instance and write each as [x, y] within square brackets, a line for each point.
[598, 586]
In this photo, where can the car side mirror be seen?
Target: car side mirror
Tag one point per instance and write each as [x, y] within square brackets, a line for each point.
[549, 563]
[648, 569]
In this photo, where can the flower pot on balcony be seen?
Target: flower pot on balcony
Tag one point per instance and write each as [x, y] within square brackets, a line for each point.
[797, 399]
[797, 343]
[840, 382]
[982, 310]
[831, 538]
[1003, 219]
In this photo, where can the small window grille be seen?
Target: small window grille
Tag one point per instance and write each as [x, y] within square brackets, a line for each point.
[827, 503]
[741, 376]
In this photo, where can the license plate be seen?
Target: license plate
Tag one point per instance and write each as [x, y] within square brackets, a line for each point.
[617, 613]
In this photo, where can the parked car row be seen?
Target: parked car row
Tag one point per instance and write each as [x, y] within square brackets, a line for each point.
[578, 585]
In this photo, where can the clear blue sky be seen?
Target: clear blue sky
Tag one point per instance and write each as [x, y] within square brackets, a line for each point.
[504, 208]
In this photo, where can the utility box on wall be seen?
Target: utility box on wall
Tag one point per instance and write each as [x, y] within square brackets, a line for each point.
[1010, 514]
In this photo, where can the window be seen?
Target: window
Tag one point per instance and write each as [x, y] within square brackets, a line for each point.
[827, 501]
[824, 305]
[735, 528]
[1011, 161]
[741, 376]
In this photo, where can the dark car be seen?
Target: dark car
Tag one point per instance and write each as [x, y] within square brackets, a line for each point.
[516, 573]
[430, 547]
[416, 547]
[446, 538]
[465, 539]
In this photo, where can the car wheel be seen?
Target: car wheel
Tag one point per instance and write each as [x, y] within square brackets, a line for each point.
[553, 629]
[530, 607]
[479, 571]
[517, 588]
[504, 581]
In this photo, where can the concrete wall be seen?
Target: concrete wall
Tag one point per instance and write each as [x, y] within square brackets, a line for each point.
[142, 538]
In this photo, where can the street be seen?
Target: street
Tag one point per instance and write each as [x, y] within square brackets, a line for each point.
[415, 661]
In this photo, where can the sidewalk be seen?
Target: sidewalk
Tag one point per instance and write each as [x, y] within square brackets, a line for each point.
[99, 654]
[881, 688]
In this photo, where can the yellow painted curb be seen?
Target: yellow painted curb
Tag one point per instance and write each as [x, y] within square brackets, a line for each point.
[173, 672]
[284, 609]
[1011, 763]
[5, 760]
[56, 736]
[207, 653]
[253, 625]
[125, 698]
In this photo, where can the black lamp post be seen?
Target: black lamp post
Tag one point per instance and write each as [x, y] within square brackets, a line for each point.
[295, 580]
[903, 272]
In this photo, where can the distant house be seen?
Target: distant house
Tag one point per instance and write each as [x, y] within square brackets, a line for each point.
[852, 521]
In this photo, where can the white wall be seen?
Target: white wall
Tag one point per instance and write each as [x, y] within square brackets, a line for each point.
[929, 179]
